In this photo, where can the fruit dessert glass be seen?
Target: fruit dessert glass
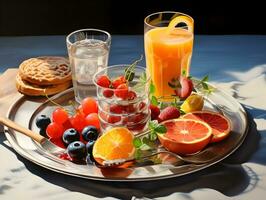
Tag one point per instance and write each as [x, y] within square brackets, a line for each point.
[123, 97]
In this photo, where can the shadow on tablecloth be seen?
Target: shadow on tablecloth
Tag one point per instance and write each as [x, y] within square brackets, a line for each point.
[228, 177]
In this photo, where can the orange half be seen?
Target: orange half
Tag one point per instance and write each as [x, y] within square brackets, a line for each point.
[116, 143]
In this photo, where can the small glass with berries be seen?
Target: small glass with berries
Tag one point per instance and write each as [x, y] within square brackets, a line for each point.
[123, 97]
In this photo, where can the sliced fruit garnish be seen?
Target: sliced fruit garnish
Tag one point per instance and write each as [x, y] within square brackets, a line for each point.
[194, 102]
[181, 19]
[220, 125]
[185, 136]
[116, 143]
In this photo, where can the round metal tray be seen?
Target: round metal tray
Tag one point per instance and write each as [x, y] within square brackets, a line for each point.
[25, 110]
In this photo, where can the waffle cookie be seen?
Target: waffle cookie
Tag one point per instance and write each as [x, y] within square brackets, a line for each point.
[47, 70]
[31, 89]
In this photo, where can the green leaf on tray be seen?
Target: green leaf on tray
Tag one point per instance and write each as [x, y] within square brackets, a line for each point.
[137, 142]
[152, 88]
[160, 129]
[154, 101]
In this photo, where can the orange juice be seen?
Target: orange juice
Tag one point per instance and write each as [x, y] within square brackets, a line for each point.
[168, 54]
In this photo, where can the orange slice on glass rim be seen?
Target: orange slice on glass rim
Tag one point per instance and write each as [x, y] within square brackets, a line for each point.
[181, 19]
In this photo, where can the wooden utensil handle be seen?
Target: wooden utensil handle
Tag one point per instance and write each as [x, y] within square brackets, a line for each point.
[7, 122]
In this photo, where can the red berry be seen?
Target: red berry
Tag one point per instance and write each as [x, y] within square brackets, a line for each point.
[155, 111]
[89, 105]
[117, 109]
[54, 130]
[169, 112]
[103, 81]
[78, 121]
[108, 93]
[131, 95]
[93, 120]
[186, 88]
[142, 105]
[137, 118]
[67, 124]
[118, 81]
[129, 108]
[122, 91]
[113, 119]
[59, 116]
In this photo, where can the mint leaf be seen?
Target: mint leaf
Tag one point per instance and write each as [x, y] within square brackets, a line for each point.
[152, 88]
[130, 70]
[152, 136]
[205, 85]
[162, 105]
[137, 142]
[184, 72]
[138, 154]
[153, 124]
[129, 74]
[160, 129]
[205, 78]
[154, 101]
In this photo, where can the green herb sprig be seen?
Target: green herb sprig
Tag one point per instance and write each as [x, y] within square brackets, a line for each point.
[148, 142]
[130, 70]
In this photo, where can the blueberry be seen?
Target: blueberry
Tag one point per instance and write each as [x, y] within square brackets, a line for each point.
[70, 135]
[77, 150]
[90, 133]
[90, 159]
[89, 146]
[43, 132]
[42, 122]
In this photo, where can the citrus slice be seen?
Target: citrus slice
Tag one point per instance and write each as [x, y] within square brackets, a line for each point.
[116, 143]
[220, 125]
[181, 19]
[193, 103]
[185, 136]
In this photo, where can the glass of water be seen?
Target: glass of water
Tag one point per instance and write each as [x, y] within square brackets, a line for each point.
[88, 51]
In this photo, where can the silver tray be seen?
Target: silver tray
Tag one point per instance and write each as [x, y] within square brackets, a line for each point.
[25, 110]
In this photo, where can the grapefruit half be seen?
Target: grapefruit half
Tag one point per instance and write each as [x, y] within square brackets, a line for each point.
[185, 136]
[220, 125]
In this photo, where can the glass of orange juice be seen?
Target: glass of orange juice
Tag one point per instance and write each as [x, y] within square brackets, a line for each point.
[168, 38]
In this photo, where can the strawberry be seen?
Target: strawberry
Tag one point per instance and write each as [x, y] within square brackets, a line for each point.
[117, 109]
[122, 91]
[186, 88]
[118, 81]
[131, 95]
[113, 119]
[108, 93]
[142, 105]
[103, 81]
[155, 111]
[169, 112]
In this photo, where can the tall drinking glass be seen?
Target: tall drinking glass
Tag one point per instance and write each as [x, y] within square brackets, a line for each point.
[88, 51]
[168, 38]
